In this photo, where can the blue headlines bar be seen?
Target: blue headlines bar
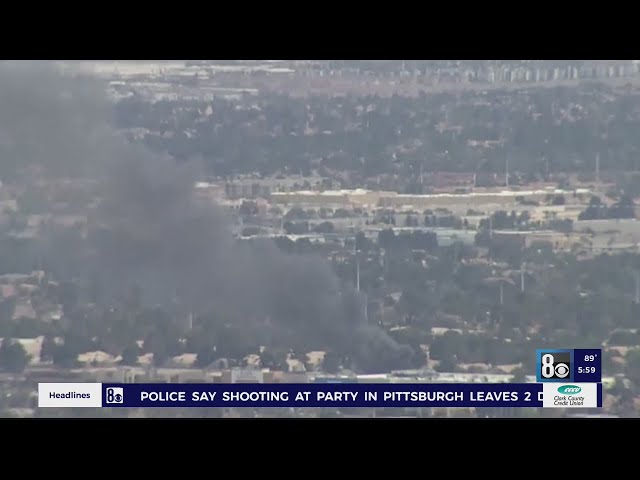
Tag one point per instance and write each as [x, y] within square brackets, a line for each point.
[306, 395]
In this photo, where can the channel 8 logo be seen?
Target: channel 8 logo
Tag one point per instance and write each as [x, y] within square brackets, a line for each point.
[115, 395]
[554, 365]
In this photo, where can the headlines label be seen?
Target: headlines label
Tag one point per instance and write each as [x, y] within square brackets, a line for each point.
[76, 395]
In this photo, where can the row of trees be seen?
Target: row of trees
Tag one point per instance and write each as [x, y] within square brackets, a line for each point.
[623, 208]
[540, 297]
[540, 131]
[432, 280]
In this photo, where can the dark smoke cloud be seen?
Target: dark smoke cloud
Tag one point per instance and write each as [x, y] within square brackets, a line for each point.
[151, 231]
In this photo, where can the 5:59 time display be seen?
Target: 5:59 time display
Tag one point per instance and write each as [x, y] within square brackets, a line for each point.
[586, 369]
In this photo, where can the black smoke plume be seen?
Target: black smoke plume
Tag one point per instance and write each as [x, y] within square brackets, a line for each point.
[149, 229]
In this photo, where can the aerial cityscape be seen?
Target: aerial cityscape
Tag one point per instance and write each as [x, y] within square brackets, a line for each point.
[397, 221]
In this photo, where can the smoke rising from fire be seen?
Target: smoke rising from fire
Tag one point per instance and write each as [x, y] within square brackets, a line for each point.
[149, 230]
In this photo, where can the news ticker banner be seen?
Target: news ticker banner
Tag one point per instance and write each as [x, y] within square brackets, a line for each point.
[309, 395]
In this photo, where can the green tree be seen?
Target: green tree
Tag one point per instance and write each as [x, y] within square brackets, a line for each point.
[386, 239]
[267, 359]
[68, 296]
[13, 357]
[633, 367]
[331, 362]
[519, 376]
[447, 364]
[362, 243]
[163, 345]
[47, 349]
[130, 354]
[324, 227]
[30, 328]
[411, 221]
[296, 228]
[65, 356]
[205, 356]
[296, 213]
[248, 208]
[7, 308]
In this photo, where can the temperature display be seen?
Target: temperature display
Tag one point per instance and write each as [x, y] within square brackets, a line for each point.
[588, 365]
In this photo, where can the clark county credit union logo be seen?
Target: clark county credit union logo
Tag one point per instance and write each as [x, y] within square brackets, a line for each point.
[115, 395]
[569, 390]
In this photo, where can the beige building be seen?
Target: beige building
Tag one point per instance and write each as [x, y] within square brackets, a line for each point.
[329, 198]
[483, 200]
[558, 240]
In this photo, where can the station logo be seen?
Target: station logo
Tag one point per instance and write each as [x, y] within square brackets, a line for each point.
[115, 395]
[554, 366]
